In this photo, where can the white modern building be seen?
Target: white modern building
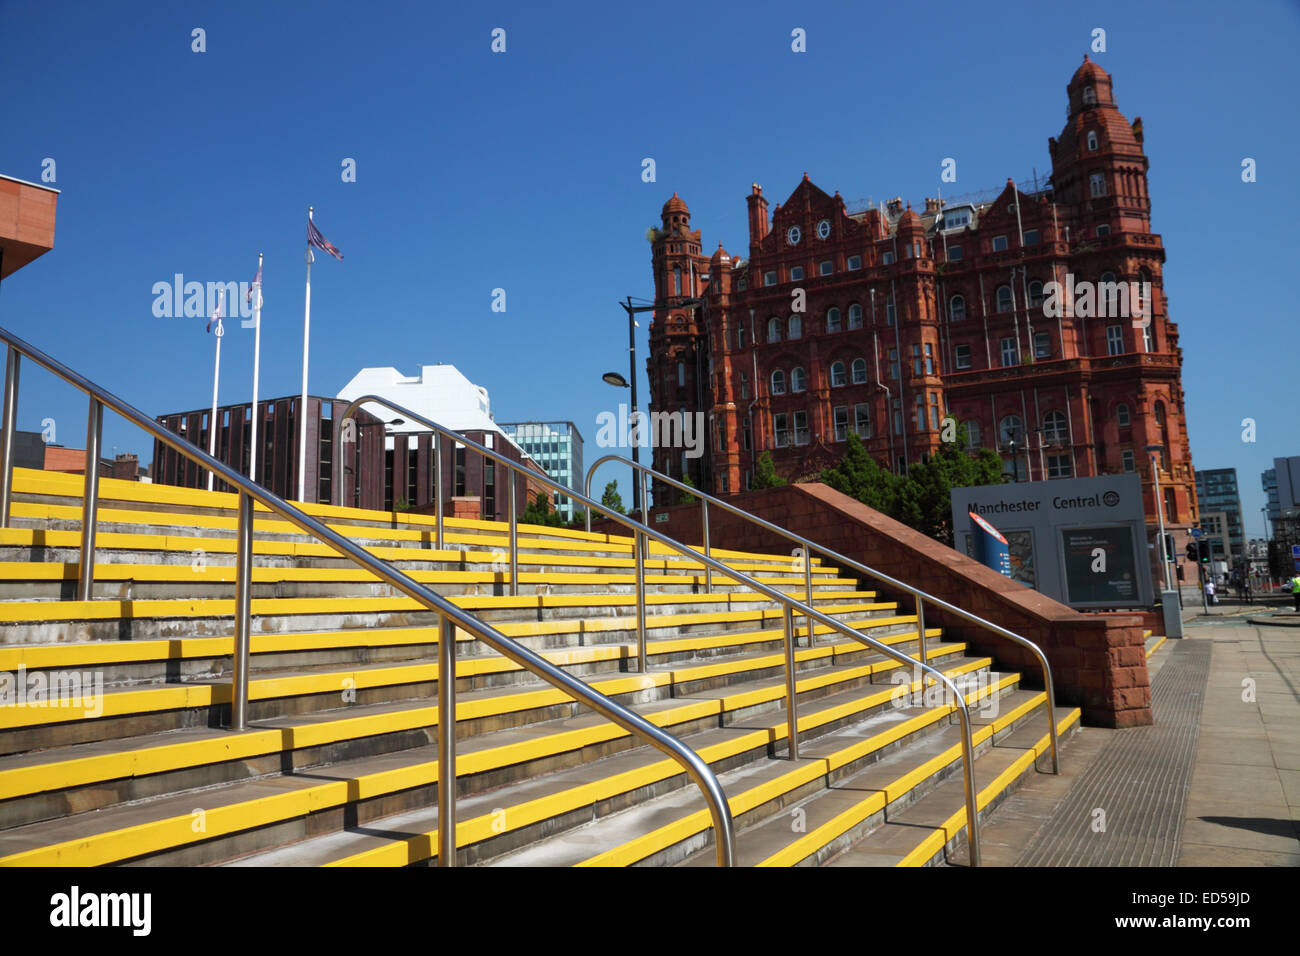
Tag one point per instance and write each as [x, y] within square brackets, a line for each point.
[440, 393]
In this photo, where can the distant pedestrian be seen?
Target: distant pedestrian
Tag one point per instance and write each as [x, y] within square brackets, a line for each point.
[1209, 591]
[1295, 591]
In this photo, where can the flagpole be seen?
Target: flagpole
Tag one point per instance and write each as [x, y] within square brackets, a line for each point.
[257, 358]
[219, 331]
[302, 408]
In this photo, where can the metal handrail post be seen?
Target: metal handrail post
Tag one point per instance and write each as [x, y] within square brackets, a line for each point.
[645, 504]
[437, 487]
[968, 772]
[239, 679]
[808, 595]
[447, 743]
[708, 550]
[920, 628]
[791, 691]
[586, 493]
[514, 540]
[7, 429]
[90, 501]
[638, 548]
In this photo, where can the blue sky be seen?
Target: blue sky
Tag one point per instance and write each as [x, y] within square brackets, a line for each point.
[522, 171]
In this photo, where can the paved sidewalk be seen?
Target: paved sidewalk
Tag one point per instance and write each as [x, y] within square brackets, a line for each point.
[1236, 800]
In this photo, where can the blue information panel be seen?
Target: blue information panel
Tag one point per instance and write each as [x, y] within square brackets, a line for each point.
[990, 546]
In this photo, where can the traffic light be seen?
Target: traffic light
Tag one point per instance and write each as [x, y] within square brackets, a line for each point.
[1193, 551]
[1205, 551]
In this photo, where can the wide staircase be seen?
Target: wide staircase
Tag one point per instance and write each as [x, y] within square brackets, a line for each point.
[113, 739]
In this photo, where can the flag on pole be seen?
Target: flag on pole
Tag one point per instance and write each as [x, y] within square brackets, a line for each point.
[256, 284]
[314, 238]
[216, 318]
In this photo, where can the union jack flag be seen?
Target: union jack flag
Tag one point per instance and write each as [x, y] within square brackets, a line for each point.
[314, 238]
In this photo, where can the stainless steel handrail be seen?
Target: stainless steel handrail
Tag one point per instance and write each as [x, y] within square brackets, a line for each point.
[809, 546]
[789, 604]
[451, 615]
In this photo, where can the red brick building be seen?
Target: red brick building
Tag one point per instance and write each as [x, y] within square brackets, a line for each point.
[910, 317]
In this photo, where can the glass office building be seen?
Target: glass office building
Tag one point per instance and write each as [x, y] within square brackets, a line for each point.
[557, 447]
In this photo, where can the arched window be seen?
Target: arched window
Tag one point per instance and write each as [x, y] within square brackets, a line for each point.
[1056, 429]
[832, 319]
[677, 280]
[1011, 429]
[1092, 140]
[855, 316]
[1089, 96]
[798, 380]
[795, 327]
[1108, 296]
[957, 309]
[1160, 414]
[1121, 416]
[837, 375]
[1004, 298]
[774, 329]
[859, 371]
[971, 431]
[1096, 185]
[1035, 294]
[778, 382]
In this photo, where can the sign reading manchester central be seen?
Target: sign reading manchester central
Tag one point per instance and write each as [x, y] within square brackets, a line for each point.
[1078, 540]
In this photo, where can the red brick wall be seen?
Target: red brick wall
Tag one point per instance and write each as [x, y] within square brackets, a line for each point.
[1098, 661]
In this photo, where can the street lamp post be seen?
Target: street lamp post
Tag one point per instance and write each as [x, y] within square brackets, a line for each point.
[1160, 514]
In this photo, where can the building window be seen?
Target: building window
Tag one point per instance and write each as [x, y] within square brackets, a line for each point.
[838, 377]
[1121, 415]
[963, 356]
[798, 380]
[1096, 185]
[1004, 298]
[957, 309]
[929, 359]
[769, 277]
[889, 311]
[1160, 414]
[854, 263]
[774, 329]
[801, 428]
[920, 411]
[681, 374]
[677, 280]
[1148, 341]
[862, 420]
[1115, 339]
[1059, 466]
[1055, 427]
[954, 253]
[936, 416]
[796, 273]
[745, 435]
[1010, 355]
[1030, 238]
[999, 243]
[778, 382]
[796, 327]
[1092, 140]
[740, 336]
[1126, 460]
[841, 414]
[916, 360]
[1089, 96]
[1171, 505]
[855, 316]
[744, 385]
[832, 319]
[1103, 231]
[1035, 294]
[893, 363]
[742, 284]
[780, 430]
[887, 259]
[971, 429]
[1042, 345]
[898, 416]
[1011, 429]
[859, 371]
[826, 268]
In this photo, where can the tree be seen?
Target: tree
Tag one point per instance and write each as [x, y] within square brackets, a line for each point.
[611, 499]
[858, 476]
[685, 497]
[765, 475]
[539, 512]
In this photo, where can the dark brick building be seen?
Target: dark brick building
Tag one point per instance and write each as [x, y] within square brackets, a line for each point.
[913, 327]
